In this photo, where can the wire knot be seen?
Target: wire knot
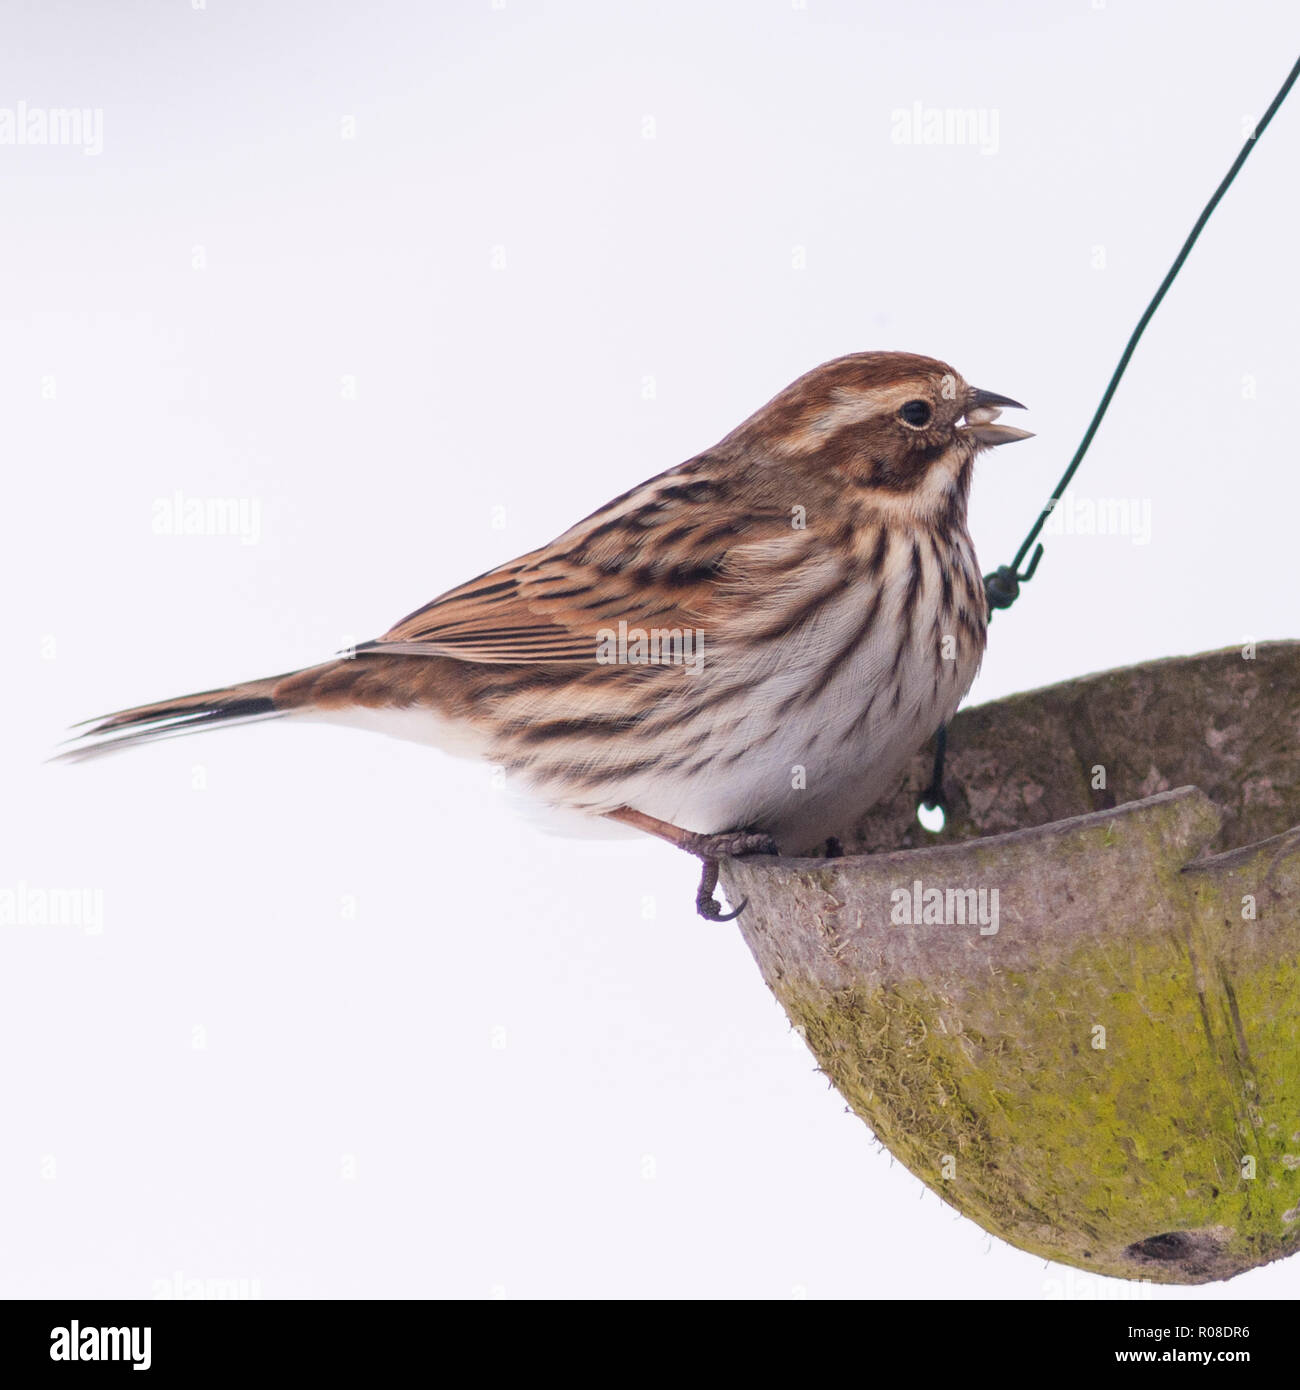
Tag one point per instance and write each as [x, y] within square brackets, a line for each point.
[1002, 587]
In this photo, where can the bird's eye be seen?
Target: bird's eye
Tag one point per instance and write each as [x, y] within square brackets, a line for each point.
[914, 413]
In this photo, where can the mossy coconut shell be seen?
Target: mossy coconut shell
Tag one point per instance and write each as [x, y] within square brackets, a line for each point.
[1112, 1078]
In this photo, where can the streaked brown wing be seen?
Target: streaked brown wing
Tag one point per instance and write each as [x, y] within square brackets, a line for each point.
[664, 555]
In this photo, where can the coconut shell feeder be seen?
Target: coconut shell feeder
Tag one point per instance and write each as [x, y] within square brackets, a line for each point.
[1088, 1041]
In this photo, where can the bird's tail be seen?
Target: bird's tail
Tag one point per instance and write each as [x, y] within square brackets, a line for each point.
[209, 709]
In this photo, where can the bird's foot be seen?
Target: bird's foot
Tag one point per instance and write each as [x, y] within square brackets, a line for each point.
[732, 844]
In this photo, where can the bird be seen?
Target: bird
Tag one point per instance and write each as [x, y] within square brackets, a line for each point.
[739, 655]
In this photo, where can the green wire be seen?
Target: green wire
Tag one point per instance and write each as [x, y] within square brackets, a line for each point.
[1146, 319]
[1003, 585]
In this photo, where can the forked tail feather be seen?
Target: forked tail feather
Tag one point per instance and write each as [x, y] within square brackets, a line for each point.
[186, 714]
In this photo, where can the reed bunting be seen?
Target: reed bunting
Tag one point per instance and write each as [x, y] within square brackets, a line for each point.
[739, 655]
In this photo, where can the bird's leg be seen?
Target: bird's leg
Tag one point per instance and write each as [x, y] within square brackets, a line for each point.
[729, 844]
[709, 849]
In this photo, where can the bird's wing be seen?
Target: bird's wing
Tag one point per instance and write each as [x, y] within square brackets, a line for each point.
[673, 553]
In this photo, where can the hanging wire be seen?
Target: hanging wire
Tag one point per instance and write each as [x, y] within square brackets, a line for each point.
[1002, 587]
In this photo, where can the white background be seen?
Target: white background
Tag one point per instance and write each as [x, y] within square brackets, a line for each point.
[237, 1078]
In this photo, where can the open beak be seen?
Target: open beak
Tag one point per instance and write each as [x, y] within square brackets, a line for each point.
[983, 410]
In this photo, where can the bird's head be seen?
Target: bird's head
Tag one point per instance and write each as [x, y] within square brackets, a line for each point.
[893, 425]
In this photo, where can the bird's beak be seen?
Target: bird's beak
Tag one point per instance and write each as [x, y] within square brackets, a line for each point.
[983, 409]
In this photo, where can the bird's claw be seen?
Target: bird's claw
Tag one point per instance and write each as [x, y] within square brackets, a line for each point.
[711, 848]
[705, 903]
